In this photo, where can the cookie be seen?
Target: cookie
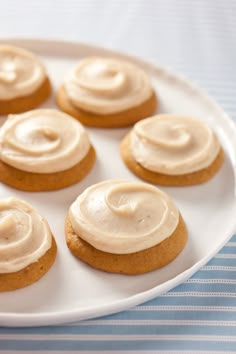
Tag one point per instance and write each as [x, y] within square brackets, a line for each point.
[118, 227]
[27, 251]
[44, 150]
[24, 83]
[172, 151]
[107, 93]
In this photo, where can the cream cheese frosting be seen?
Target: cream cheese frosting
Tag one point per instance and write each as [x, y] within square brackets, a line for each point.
[24, 235]
[122, 217]
[107, 85]
[173, 145]
[21, 73]
[43, 141]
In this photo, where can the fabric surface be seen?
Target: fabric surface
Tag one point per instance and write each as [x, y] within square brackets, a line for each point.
[197, 39]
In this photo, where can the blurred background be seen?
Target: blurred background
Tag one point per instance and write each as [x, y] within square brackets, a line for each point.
[194, 37]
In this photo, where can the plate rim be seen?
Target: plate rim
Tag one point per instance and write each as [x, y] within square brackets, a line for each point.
[63, 317]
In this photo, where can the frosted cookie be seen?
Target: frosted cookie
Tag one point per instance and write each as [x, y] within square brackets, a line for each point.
[172, 150]
[125, 227]
[107, 92]
[44, 150]
[27, 247]
[24, 83]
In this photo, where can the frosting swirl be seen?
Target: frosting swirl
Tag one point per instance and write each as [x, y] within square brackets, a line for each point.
[123, 217]
[21, 73]
[24, 235]
[43, 141]
[106, 86]
[173, 145]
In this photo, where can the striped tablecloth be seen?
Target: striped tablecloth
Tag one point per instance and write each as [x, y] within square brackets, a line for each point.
[197, 38]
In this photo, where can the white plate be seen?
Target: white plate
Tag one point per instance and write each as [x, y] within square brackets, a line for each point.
[73, 291]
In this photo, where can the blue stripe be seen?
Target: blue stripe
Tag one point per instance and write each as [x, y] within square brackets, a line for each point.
[207, 287]
[135, 316]
[108, 327]
[228, 250]
[123, 329]
[215, 274]
[184, 345]
[192, 301]
[224, 262]
[233, 238]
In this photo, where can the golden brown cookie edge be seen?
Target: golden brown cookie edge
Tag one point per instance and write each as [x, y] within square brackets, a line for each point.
[26, 103]
[189, 179]
[131, 264]
[31, 273]
[115, 120]
[35, 182]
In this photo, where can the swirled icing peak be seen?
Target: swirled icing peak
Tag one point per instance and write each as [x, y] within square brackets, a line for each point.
[123, 217]
[43, 141]
[173, 145]
[21, 73]
[106, 86]
[24, 235]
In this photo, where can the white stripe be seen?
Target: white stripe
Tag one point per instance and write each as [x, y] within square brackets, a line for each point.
[198, 294]
[116, 352]
[158, 322]
[119, 337]
[224, 268]
[184, 308]
[210, 281]
[225, 255]
[231, 244]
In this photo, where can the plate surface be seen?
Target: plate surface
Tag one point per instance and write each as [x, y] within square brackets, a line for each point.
[71, 290]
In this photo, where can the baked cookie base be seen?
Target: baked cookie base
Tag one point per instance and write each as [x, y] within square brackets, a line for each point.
[168, 180]
[35, 182]
[31, 273]
[115, 120]
[133, 263]
[26, 103]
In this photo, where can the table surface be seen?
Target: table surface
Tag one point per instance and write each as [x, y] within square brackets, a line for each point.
[198, 39]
